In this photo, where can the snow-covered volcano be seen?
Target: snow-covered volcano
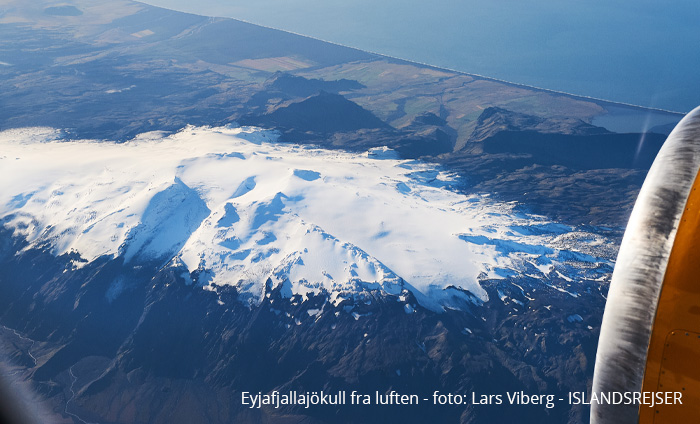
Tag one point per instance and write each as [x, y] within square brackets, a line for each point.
[234, 206]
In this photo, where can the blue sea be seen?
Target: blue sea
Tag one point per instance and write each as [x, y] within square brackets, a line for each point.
[641, 52]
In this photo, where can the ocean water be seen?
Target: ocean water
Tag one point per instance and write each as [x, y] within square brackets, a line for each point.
[643, 52]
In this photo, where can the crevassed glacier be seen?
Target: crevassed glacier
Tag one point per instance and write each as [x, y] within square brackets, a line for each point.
[244, 208]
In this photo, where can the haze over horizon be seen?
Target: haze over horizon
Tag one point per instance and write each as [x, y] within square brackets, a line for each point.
[640, 52]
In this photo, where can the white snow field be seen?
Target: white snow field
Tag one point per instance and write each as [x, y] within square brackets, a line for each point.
[239, 207]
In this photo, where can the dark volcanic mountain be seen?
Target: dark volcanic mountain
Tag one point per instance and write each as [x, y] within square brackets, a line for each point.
[495, 119]
[302, 87]
[325, 113]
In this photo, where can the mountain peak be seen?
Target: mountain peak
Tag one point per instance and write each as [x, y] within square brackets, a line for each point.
[222, 207]
[497, 119]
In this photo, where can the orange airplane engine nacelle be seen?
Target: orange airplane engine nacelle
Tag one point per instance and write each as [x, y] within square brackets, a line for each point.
[650, 335]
